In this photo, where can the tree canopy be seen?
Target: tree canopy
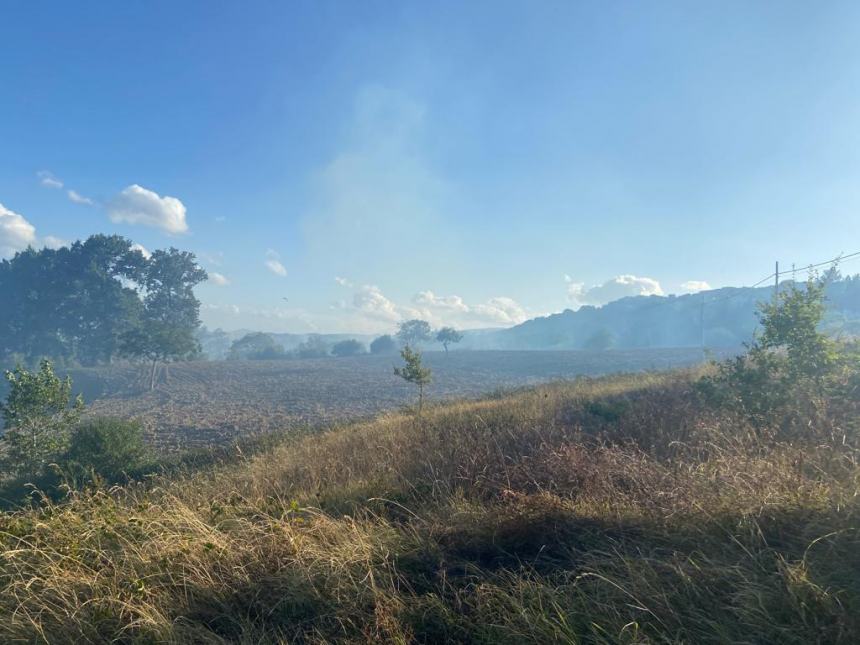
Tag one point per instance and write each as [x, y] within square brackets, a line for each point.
[255, 346]
[414, 332]
[349, 347]
[448, 336]
[97, 299]
[383, 345]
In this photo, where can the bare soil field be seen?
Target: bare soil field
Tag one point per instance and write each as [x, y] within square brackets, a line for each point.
[202, 404]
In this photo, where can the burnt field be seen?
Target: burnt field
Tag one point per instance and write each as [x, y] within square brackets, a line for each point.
[208, 403]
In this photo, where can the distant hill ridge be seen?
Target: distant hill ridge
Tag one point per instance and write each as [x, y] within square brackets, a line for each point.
[729, 319]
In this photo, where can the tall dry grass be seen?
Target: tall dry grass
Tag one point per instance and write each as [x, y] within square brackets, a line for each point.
[599, 511]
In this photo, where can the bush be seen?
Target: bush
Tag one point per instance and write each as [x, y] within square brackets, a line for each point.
[313, 347]
[349, 347]
[255, 346]
[37, 415]
[105, 449]
[383, 345]
[790, 374]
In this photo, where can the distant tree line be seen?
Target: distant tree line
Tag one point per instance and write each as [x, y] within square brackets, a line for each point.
[411, 333]
[97, 300]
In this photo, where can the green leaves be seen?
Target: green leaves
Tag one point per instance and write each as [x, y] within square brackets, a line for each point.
[784, 381]
[791, 324]
[38, 415]
[413, 371]
[447, 336]
[413, 332]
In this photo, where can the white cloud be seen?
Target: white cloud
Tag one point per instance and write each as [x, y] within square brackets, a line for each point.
[48, 180]
[78, 198]
[16, 233]
[453, 310]
[370, 300]
[216, 258]
[276, 267]
[220, 218]
[372, 309]
[138, 205]
[616, 288]
[218, 279]
[53, 242]
[694, 286]
[143, 250]
[343, 282]
[502, 310]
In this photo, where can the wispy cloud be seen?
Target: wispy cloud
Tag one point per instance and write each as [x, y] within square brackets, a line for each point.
[143, 250]
[273, 264]
[694, 286]
[215, 258]
[218, 279]
[48, 180]
[77, 198]
[53, 242]
[379, 190]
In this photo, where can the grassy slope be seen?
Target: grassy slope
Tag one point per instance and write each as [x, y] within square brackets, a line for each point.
[599, 511]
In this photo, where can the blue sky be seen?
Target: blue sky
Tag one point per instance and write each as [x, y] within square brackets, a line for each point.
[472, 163]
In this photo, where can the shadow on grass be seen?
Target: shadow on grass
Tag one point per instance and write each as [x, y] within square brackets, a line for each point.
[534, 571]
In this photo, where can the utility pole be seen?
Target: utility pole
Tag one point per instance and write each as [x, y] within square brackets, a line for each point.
[776, 282]
[702, 324]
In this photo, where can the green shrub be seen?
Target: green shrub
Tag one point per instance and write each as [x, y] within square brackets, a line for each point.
[791, 373]
[107, 450]
[37, 415]
[349, 347]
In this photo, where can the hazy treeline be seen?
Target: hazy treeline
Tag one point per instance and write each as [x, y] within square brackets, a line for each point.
[729, 319]
[263, 346]
[97, 300]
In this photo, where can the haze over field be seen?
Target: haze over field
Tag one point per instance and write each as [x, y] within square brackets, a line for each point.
[472, 165]
[486, 322]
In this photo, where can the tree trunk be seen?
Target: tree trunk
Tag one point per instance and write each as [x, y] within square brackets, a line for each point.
[152, 374]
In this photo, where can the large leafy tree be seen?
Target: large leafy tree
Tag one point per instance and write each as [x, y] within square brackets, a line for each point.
[414, 332]
[100, 302]
[72, 303]
[166, 328]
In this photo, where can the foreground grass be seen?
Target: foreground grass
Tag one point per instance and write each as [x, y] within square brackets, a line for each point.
[603, 511]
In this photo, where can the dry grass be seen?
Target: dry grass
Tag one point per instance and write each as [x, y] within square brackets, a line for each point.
[601, 511]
